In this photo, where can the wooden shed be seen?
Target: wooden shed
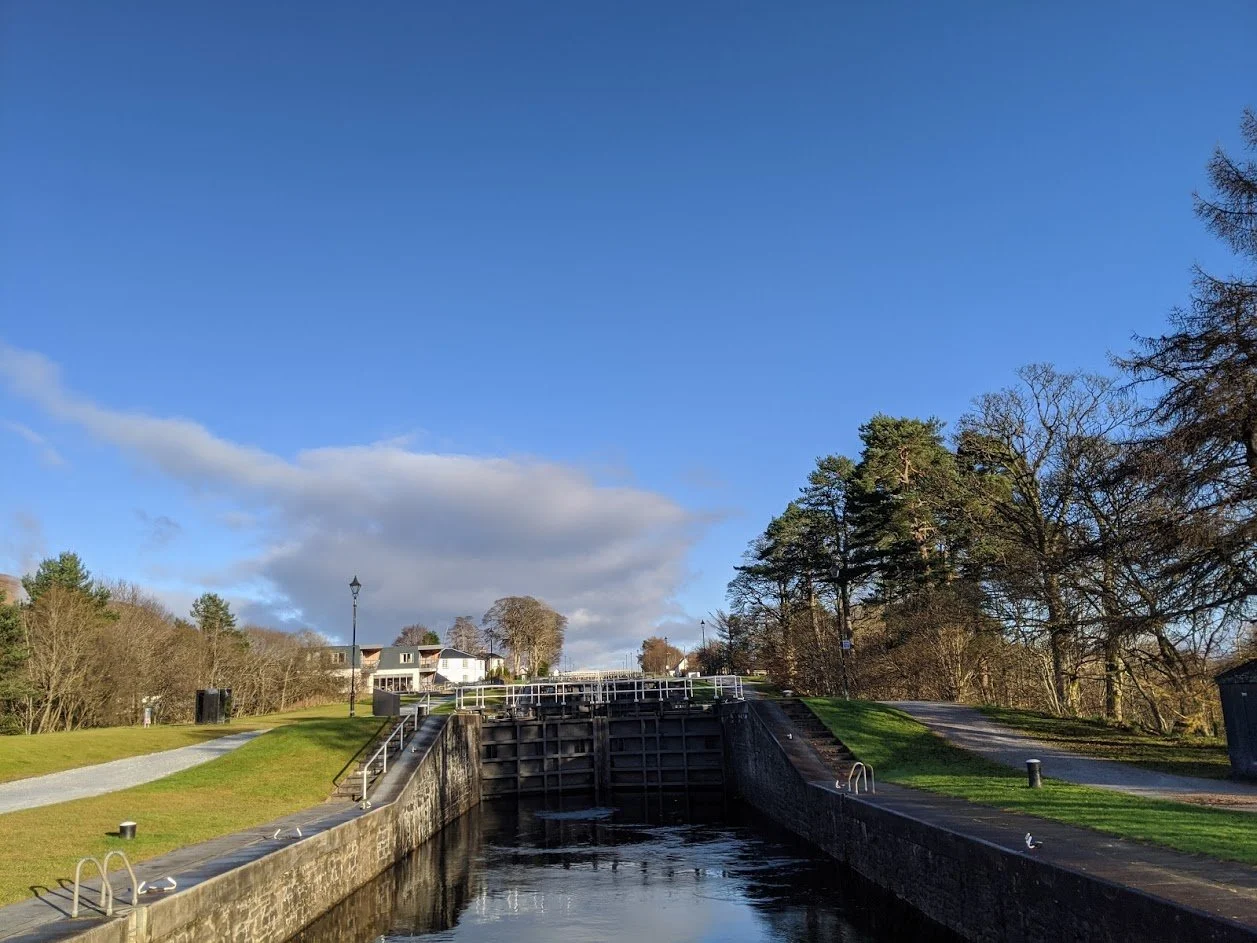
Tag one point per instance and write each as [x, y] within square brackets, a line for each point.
[1238, 688]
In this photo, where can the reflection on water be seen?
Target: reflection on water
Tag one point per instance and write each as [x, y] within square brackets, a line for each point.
[645, 868]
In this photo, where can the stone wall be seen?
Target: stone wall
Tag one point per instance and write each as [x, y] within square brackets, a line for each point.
[271, 899]
[979, 890]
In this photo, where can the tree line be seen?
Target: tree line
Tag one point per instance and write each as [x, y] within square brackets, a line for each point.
[1078, 543]
[82, 653]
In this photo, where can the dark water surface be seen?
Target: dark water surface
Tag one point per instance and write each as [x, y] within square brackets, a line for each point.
[655, 869]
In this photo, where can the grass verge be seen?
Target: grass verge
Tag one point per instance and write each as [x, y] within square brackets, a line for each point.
[904, 751]
[1184, 756]
[289, 769]
[23, 756]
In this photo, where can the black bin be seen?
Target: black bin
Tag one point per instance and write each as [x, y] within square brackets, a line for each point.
[385, 703]
[213, 705]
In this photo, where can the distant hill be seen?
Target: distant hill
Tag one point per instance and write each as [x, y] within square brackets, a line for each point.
[11, 586]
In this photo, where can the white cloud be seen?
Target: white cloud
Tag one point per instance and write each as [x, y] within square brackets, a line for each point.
[47, 454]
[430, 535]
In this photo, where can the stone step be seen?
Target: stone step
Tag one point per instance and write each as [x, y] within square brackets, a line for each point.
[832, 751]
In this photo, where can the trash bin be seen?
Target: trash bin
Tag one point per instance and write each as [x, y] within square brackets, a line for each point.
[211, 705]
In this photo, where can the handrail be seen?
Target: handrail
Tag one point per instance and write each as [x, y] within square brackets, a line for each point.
[592, 690]
[382, 753]
[859, 772]
[135, 885]
[106, 895]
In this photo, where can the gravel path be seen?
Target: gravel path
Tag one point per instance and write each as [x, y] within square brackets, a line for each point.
[969, 729]
[117, 774]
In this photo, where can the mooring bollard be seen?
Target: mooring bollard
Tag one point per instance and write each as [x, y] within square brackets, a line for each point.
[126, 830]
[1034, 772]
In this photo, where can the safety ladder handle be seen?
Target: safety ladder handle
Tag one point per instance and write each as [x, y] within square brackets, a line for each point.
[106, 892]
[856, 772]
[135, 885]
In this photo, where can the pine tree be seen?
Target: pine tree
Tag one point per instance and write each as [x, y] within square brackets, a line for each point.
[67, 571]
[213, 617]
[14, 653]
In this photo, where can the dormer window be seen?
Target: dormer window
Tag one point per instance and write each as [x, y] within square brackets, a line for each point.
[408, 658]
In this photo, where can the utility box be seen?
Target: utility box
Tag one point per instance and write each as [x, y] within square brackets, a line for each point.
[385, 703]
[1238, 689]
[213, 705]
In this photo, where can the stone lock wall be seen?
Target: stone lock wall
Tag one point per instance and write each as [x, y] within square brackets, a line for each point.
[981, 891]
[270, 900]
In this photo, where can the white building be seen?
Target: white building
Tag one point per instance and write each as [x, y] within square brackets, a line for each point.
[407, 667]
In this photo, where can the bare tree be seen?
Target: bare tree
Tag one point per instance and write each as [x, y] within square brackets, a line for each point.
[464, 635]
[530, 630]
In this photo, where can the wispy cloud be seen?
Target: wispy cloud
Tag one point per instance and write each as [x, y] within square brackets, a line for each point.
[47, 454]
[431, 535]
[159, 530]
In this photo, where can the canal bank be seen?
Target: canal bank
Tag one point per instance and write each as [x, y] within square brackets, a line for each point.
[964, 867]
[257, 887]
[969, 868]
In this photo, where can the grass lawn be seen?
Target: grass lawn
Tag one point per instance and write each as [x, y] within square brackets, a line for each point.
[23, 756]
[903, 751]
[1186, 756]
[288, 769]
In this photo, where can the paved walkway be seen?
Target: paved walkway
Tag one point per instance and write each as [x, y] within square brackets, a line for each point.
[971, 730]
[118, 774]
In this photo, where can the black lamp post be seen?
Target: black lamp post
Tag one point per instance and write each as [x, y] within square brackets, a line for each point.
[353, 649]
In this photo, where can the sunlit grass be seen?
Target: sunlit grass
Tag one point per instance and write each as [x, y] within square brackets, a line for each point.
[1186, 756]
[22, 756]
[901, 750]
[290, 768]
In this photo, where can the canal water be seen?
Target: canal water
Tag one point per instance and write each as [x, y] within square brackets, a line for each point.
[668, 868]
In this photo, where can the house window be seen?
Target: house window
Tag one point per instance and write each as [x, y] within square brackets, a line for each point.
[338, 658]
[464, 662]
[408, 658]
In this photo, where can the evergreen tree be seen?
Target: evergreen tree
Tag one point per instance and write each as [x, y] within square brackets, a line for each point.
[217, 624]
[14, 653]
[67, 571]
[1201, 442]
[907, 527]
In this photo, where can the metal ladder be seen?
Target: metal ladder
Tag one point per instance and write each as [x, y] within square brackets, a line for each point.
[860, 773]
[106, 887]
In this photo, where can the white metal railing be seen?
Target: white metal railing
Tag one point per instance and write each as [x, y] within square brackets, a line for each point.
[380, 756]
[860, 773]
[512, 696]
[106, 899]
[728, 686]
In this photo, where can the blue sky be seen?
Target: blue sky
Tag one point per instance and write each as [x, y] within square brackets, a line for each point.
[559, 298]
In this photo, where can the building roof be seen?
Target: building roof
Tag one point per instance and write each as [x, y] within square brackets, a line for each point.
[1243, 673]
[456, 653]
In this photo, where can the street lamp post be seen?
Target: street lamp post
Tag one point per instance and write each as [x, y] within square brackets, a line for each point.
[354, 586]
[843, 643]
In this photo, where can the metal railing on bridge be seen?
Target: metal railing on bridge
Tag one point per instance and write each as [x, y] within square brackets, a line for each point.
[512, 697]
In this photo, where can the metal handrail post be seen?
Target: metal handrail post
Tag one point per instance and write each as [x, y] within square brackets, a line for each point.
[135, 885]
[106, 898]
